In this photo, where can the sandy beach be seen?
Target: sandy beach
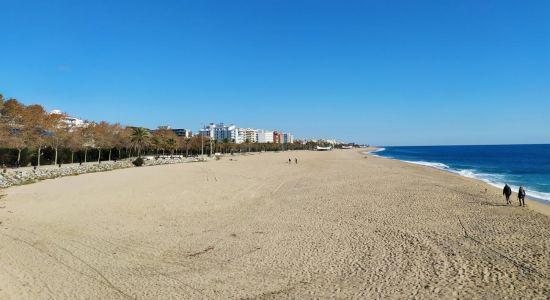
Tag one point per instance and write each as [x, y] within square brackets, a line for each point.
[335, 225]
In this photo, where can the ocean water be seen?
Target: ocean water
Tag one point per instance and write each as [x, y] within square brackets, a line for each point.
[516, 165]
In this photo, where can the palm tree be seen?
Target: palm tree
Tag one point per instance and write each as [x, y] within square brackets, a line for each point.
[172, 144]
[156, 142]
[247, 141]
[140, 138]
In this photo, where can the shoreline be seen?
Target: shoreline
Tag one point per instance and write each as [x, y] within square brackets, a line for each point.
[539, 205]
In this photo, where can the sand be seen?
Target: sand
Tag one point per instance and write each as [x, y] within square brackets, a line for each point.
[336, 225]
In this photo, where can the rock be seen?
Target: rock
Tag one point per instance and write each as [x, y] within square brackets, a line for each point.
[18, 177]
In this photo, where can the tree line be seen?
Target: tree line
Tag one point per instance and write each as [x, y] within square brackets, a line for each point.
[31, 136]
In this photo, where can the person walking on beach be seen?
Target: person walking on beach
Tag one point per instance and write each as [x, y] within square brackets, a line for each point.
[507, 191]
[521, 196]
[296, 160]
[289, 161]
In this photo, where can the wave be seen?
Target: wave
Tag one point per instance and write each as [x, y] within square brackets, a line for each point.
[492, 179]
[377, 150]
[538, 195]
[430, 164]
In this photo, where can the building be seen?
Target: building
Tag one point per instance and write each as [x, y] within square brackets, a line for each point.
[277, 137]
[181, 132]
[68, 120]
[280, 137]
[264, 136]
[220, 132]
[288, 138]
[186, 133]
[245, 135]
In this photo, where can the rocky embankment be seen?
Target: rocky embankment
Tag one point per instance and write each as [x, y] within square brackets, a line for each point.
[29, 175]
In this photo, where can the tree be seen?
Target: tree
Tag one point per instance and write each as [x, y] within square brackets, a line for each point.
[121, 138]
[140, 139]
[161, 138]
[103, 138]
[4, 129]
[37, 126]
[87, 138]
[196, 143]
[184, 143]
[156, 143]
[13, 126]
[171, 145]
[56, 135]
[74, 141]
[3, 124]
[170, 141]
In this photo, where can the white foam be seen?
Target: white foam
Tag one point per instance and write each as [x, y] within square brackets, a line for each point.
[377, 150]
[467, 173]
[429, 164]
[538, 195]
[491, 179]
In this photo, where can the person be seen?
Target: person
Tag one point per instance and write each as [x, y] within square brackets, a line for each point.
[289, 161]
[296, 160]
[521, 196]
[507, 191]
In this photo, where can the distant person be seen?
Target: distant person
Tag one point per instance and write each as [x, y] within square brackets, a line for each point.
[507, 191]
[296, 160]
[289, 161]
[521, 196]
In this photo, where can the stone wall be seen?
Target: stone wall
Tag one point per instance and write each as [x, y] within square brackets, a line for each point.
[29, 175]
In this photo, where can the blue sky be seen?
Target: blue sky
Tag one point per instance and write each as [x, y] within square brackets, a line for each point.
[378, 72]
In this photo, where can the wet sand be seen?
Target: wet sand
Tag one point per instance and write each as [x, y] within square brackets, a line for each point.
[336, 225]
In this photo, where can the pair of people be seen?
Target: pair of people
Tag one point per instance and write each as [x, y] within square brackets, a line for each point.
[507, 192]
[290, 161]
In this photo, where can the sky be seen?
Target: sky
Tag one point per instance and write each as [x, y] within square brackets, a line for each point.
[376, 72]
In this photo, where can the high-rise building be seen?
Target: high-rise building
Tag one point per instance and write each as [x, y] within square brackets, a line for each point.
[277, 137]
[246, 135]
[264, 136]
[280, 137]
[288, 138]
[220, 132]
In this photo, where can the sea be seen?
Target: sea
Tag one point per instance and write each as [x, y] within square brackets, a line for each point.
[515, 165]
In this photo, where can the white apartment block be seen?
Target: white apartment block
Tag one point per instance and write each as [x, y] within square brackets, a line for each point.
[247, 134]
[264, 136]
[220, 132]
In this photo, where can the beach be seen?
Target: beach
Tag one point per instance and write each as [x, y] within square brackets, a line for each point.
[338, 224]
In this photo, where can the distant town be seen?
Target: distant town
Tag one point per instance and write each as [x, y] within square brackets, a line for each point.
[223, 133]
[30, 135]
